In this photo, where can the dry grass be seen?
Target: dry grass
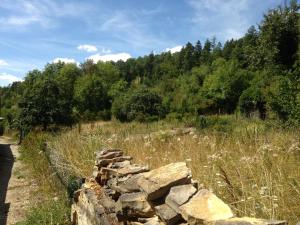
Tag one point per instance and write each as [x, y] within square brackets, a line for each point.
[255, 170]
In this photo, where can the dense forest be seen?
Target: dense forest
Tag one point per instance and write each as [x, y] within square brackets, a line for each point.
[256, 75]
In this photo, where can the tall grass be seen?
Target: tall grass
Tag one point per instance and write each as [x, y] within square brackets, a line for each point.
[49, 204]
[253, 168]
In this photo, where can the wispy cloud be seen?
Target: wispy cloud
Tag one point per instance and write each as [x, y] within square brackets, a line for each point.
[8, 78]
[110, 57]
[3, 62]
[21, 13]
[87, 48]
[223, 19]
[128, 27]
[174, 49]
[65, 60]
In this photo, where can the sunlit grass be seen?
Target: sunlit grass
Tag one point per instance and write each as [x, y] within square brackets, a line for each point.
[253, 168]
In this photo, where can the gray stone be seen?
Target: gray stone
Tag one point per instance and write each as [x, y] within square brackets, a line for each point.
[179, 195]
[121, 164]
[134, 205]
[127, 184]
[158, 182]
[106, 162]
[167, 214]
[130, 169]
[203, 207]
[108, 154]
[90, 209]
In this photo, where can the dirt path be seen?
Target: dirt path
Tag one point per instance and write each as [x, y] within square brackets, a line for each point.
[15, 189]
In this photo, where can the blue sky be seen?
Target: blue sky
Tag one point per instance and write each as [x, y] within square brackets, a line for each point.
[35, 32]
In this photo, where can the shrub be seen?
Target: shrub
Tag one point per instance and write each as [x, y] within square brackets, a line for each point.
[142, 105]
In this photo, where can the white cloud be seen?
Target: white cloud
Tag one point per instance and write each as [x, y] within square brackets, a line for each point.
[87, 48]
[110, 57]
[3, 63]
[174, 49]
[9, 78]
[65, 60]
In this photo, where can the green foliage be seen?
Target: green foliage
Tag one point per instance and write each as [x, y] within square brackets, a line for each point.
[44, 103]
[49, 212]
[141, 105]
[91, 94]
[258, 73]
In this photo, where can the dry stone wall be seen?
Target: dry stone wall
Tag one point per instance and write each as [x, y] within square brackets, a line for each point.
[120, 192]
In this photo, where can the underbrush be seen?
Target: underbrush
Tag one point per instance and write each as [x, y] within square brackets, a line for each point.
[248, 163]
[50, 203]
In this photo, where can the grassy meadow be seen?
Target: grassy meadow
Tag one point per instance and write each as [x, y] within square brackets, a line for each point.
[250, 165]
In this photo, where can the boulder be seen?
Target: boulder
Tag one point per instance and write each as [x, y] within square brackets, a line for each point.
[179, 195]
[248, 221]
[158, 182]
[204, 206]
[167, 214]
[134, 205]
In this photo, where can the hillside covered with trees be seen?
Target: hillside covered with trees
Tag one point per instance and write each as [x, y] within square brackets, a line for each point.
[258, 74]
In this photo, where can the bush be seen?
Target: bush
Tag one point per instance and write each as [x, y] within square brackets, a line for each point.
[142, 105]
[217, 123]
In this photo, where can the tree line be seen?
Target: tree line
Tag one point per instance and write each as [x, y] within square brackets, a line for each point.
[258, 74]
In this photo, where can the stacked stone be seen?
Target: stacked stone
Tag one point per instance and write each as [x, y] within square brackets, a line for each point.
[121, 192]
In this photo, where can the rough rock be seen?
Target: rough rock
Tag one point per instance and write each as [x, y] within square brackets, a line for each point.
[106, 162]
[204, 206]
[248, 221]
[167, 214]
[158, 182]
[108, 154]
[130, 169]
[121, 164]
[127, 185]
[154, 221]
[179, 195]
[134, 205]
[89, 209]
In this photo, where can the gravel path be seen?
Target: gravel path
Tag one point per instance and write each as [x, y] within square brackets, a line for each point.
[15, 189]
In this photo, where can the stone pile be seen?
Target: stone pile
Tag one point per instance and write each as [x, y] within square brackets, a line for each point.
[121, 192]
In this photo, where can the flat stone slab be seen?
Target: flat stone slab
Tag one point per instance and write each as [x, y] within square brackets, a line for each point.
[205, 206]
[106, 162]
[249, 221]
[158, 182]
[108, 154]
[129, 184]
[130, 169]
[179, 195]
[167, 214]
[134, 205]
